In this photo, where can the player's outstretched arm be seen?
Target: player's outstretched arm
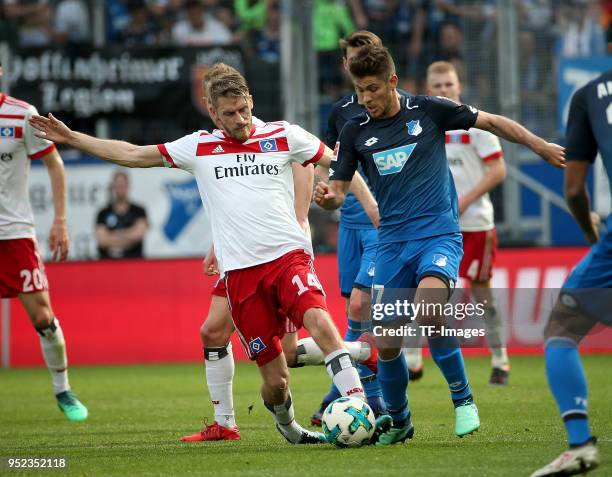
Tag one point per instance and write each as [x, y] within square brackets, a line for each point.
[119, 152]
[577, 199]
[59, 243]
[513, 131]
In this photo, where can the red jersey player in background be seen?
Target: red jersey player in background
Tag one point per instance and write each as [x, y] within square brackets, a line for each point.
[476, 161]
[22, 273]
[243, 174]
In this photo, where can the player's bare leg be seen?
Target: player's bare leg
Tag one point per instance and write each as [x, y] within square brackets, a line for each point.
[215, 333]
[495, 329]
[565, 329]
[277, 399]
[38, 308]
[309, 353]
[289, 343]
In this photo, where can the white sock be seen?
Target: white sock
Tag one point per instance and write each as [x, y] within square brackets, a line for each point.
[284, 415]
[341, 369]
[54, 351]
[309, 354]
[219, 364]
[496, 338]
[411, 347]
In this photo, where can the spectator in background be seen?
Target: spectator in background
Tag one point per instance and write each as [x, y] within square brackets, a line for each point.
[72, 23]
[222, 10]
[265, 42]
[200, 28]
[8, 28]
[580, 33]
[33, 21]
[121, 226]
[401, 24]
[331, 22]
[140, 29]
[251, 13]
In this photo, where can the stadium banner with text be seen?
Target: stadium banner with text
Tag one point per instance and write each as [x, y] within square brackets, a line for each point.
[178, 224]
[151, 310]
[102, 82]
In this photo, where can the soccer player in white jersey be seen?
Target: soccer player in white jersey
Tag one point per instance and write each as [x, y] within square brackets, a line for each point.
[244, 176]
[218, 327]
[476, 161]
[22, 273]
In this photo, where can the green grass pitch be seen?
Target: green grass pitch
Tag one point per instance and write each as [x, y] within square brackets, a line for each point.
[138, 413]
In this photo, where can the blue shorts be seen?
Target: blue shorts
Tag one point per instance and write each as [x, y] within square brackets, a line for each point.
[402, 265]
[589, 286]
[356, 258]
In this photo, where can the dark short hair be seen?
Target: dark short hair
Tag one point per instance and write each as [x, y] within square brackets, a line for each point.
[358, 39]
[372, 61]
[231, 84]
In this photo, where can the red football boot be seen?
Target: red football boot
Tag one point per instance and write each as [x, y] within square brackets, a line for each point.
[214, 432]
[372, 361]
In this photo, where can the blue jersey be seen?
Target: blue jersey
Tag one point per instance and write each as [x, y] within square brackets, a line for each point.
[404, 159]
[352, 214]
[589, 124]
[589, 129]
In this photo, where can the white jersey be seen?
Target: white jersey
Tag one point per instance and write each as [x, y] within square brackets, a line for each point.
[246, 187]
[18, 146]
[468, 153]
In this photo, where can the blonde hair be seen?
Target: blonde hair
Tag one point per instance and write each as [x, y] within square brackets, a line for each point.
[215, 71]
[441, 67]
[232, 84]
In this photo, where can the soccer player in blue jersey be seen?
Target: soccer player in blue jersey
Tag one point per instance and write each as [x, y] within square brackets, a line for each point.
[357, 239]
[399, 143]
[586, 296]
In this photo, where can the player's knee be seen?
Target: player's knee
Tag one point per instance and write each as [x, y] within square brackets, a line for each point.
[42, 318]
[279, 382]
[213, 336]
[356, 308]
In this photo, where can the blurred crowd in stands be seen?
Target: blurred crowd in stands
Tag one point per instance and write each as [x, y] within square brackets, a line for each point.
[417, 32]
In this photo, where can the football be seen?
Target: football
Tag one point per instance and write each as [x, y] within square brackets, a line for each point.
[348, 422]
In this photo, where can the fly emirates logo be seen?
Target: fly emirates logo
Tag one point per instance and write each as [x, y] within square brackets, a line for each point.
[246, 165]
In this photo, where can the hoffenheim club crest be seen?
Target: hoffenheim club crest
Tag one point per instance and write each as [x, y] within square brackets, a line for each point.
[414, 127]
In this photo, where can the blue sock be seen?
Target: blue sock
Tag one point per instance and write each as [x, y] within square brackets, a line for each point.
[369, 381]
[393, 379]
[356, 329]
[331, 395]
[569, 387]
[446, 352]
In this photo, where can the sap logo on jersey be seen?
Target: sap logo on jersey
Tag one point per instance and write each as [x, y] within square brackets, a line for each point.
[392, 161]
[256, 345]
[269, 145]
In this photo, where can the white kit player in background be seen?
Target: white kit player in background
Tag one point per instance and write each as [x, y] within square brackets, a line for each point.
[262, 252]
[22, 273]
[477, 163]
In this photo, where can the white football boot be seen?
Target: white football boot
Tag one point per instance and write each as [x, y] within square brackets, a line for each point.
[579, 460]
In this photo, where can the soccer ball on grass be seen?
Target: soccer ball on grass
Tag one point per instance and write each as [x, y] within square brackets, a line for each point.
[348, 422]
